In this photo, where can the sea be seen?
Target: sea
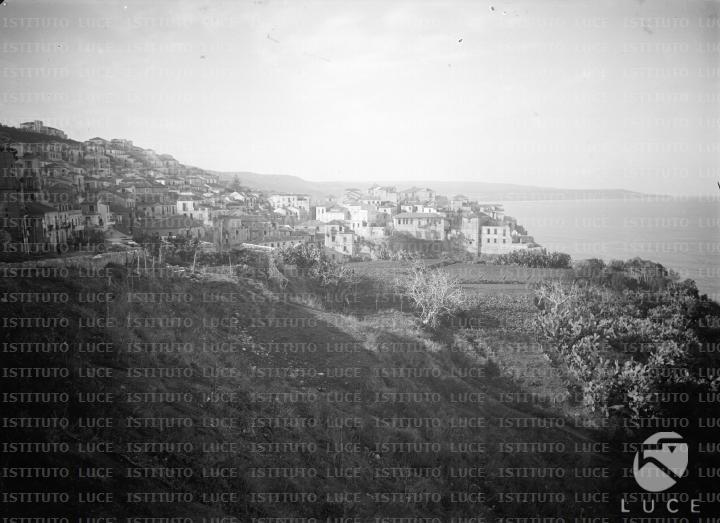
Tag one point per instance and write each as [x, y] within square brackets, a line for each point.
[683, 234]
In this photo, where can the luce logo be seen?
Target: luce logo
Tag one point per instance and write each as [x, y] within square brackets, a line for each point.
[661, 461]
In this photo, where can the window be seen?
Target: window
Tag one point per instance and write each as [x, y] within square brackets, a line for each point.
[495, 240]
[494, 231]
[488, 240]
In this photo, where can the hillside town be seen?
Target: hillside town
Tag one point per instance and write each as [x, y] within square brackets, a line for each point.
[59, 195]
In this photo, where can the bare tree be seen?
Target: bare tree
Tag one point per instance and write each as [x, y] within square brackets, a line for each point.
[434, 293]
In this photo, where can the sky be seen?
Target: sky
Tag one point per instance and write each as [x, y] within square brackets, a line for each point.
[569, 94]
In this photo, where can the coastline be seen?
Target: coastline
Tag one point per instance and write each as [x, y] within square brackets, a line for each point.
[682, 234]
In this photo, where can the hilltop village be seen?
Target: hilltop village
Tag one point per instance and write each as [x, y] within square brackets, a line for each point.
[59, 194]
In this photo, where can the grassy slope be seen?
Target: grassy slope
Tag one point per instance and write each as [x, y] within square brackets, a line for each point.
[447, 352]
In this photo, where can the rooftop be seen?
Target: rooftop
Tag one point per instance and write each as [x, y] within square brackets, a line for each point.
[39, 208]
[418, 215]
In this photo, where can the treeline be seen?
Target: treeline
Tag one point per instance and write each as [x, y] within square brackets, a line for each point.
[539, 259]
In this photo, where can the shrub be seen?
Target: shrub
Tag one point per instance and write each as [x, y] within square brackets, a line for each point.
[318, 266]
[621, 275]
[434, 293]
[589, 269]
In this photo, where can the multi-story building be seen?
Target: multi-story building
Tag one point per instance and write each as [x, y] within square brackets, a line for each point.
[203, 213]
[371, 202]
[482, 235]
[340, 240]
[37, 126]
[149, 192]
[495, 211]
[51, 151]
[418, 208]
[417, 194]
[470, 228]
[258, 227]
[96, 214]
[425, 226]
[153, 210]
[119, 143]
[73, 154]
[187, 205]
[311, 227]
[460, 202]
[95, 145]
[298, 201]
[328, 214]
[282, 200]
[303, 203]
[384, 193]
[95, 162]
[232, 231]
[358, 215]
[174, 226]
[387, 208]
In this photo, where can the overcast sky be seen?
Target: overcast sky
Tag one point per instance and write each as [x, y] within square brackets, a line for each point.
[573, 94]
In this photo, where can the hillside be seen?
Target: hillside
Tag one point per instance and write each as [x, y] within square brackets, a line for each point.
[286, 183]
[484, 191]
[509, 192]
[356, 411]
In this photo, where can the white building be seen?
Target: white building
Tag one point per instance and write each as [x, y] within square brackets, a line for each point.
[495, 239]
[299, 201]
[358, 215]
[282, 200]
[187, 206]
[328, 214]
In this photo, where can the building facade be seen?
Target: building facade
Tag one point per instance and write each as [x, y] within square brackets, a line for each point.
[424, 226]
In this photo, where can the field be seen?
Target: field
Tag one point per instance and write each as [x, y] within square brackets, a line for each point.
[467, 272]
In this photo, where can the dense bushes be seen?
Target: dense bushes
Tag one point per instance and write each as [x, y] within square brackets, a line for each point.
[634, 274]
[625, 346]
[542, 259]
[317, 265]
